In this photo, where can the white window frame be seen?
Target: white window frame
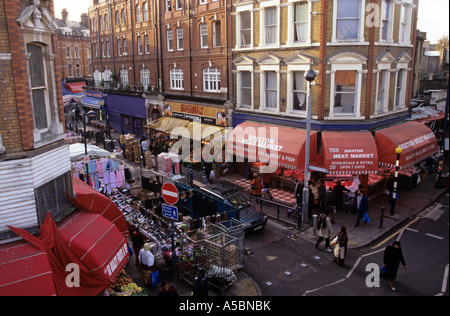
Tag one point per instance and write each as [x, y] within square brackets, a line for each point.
[262, 14]
[146, 44]
[125, 46]
[106, 75]
[383, 78]
[360, 38]
[124, 76]
[176, 79]
[202, 2]
[169, 36]
[240, 86]
[291, 24]
[406, 14]
[138, 13]
[139, 45]
[145, 11]
[216, 25]
[178, 4]
[347, 61]
[211, 79]
[145, 77]
[180, 42]
[203, 32]
[241, 9]
[390, 21]
[108, 49]
[119, 46]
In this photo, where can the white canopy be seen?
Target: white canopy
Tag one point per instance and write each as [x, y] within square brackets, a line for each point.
[77, 151]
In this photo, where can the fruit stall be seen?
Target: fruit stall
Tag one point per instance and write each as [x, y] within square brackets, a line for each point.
[125, 286]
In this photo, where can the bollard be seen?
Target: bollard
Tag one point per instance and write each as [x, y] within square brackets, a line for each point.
[314, 224]
[381, 218]
[299, 218]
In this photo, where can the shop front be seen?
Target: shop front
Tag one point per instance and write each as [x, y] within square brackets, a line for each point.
[94, 101]
[127, 114]
[417, 142]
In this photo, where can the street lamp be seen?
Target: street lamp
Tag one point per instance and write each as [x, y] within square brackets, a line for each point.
[398, 150]
[309, 76]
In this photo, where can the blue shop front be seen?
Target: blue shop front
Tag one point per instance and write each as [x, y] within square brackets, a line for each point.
[127, 114]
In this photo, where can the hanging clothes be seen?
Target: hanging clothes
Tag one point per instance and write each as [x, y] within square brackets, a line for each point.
[99, 168]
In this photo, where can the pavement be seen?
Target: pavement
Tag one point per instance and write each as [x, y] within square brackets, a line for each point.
[409, 204]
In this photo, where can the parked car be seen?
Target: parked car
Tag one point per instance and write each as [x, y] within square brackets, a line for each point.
[252, 217]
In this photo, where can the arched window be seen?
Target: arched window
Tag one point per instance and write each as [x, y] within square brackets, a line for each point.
[100, 21]
[117, 17]
[106, 22]
[138, 13]
[211, 79]
[145, 11]
[124, 18]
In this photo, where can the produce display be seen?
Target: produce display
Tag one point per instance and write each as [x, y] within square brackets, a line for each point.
[124, 286]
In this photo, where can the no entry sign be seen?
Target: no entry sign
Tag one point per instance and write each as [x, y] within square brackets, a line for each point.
[169, 193]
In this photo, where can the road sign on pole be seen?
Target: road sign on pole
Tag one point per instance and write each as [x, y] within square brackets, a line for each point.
[169, 193]
[170, 211]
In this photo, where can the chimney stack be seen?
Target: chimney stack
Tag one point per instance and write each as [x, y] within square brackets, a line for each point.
[84, 20]
[64, 16]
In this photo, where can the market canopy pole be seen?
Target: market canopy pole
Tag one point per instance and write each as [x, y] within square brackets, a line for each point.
[398, 150]
[309, 76]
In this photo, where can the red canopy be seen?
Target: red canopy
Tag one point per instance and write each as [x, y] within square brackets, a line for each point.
[415, 139]
[25, 271]
[90, 200]
[86, 253]
[75, 87]
[96, 242]
[349, 152]
[278, 145]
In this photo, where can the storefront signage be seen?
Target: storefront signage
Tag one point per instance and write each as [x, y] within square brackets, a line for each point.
[416, 141]
[116, 260]
[350, 160]
[94, 94]
[193, 112]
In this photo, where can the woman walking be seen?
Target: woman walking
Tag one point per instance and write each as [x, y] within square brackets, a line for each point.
[325, 229]
[393, 255]
[340, 246]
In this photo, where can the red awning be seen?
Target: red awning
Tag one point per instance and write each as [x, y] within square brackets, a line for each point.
[430, 118]
[416, 140]
[278, 145]
[96, 242]
[75, 87]
[349, 152]
[90, 200]
[25, 271]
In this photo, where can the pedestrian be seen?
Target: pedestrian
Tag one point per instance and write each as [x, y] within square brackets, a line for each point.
[256, 186]
[108, 131]
[144, 148]
[200, 284]
[138, 242]
[322, 194]
[340, 246]
[298, 192]
[390, 187]
[122, 141]
[325, 229]
[77, 114]
[146, 260]
[212, 175]
[362, 205]
[393, 255]
[313, 185]
[338, 190]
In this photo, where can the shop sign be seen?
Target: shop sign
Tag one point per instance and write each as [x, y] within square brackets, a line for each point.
[193, 112]
[94, 94]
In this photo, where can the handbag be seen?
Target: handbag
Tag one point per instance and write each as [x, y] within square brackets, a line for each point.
[333, 242]
[366, 218]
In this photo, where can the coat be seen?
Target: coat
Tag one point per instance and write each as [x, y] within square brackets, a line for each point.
[363, 205]
[392, 258]
[256, 187]
[327, 231]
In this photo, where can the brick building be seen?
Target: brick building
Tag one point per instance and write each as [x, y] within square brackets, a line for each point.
[33, 157]
[364, 74]
[175, 52]
[74, 44]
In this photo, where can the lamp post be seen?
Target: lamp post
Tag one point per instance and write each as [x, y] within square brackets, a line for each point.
[398, 150]
[309, 76]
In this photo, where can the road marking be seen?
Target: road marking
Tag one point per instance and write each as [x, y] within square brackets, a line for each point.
[353, 268]
[412, 230]
[323, 287]
[435, 213]
[434, 236]
[444, 282]
[395, 234]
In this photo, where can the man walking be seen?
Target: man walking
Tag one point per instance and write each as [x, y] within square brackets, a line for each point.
[362, 205]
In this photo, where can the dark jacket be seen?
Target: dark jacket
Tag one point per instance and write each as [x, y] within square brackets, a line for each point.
[201, 286]
[392, 258]
[364, 205]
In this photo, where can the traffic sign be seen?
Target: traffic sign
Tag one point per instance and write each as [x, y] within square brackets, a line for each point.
[170, 211]
[169, 193]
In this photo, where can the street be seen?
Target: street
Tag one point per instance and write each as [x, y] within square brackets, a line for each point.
[283, 263]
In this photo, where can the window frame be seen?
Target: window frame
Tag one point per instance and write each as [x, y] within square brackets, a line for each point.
[176, 76]
[361, 19]
[203, 32]
[180, 38]
[211, 79]
[169, 38]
